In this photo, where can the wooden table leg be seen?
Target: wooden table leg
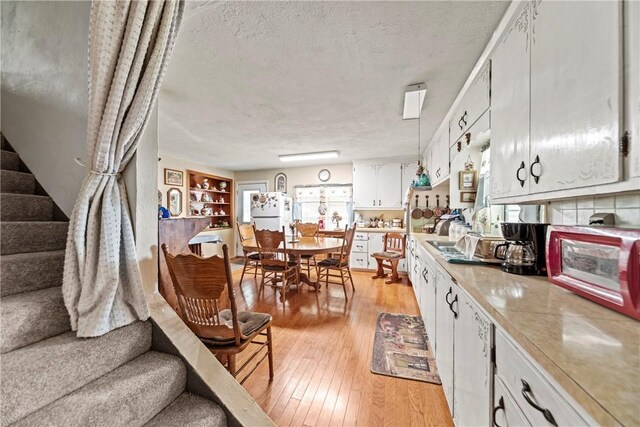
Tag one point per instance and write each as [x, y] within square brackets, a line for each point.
[303, 276]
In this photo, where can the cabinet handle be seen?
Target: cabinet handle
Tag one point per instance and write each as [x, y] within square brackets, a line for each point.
[521, 168]
[424, 274]
[374, 202]
[379, 202]
[455, 313]
[446, 297]
[496, 409]
[530, 398]
[536, 178]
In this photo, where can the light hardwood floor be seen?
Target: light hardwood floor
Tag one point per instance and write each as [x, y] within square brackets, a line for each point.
[322, 356]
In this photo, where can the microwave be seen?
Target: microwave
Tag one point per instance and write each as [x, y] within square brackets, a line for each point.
[601, 264]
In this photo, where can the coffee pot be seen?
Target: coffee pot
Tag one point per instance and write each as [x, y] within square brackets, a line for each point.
[524, 251]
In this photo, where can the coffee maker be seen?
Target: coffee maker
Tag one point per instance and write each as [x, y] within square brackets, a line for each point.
[524, 251]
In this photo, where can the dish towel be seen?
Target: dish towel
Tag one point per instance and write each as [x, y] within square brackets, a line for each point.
[467, 245]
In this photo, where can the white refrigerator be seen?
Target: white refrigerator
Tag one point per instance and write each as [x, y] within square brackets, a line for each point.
[272, 211]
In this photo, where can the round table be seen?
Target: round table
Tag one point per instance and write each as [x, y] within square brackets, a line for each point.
[304, 246]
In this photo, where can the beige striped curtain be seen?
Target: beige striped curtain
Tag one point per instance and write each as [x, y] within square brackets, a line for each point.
[130, 43]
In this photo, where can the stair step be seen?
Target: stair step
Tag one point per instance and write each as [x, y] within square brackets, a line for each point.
[9, 160]
[190, 410]
[4, 145]
[25, 207]
[29, 317]
[30, 272]
[37, 375]
[17, 182]
[32, 236]
[130, 395]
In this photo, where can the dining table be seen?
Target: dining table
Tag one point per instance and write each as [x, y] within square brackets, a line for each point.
[295, 249]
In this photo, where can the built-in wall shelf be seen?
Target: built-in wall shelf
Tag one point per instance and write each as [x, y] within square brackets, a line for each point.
[219, 191]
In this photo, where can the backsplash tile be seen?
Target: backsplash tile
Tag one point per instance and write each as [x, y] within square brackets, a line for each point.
[625, 207]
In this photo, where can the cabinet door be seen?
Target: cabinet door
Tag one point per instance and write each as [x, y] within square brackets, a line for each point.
[429, 314]
[575, 94]
[510, 109]
[444, 333]
[364, 184]
[390, 193]
[632, 85]
[472, 363]
[506, 410]
[439, 158]
[473, 104]
[408, 175]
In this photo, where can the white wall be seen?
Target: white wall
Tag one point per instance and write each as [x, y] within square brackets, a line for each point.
[166, 161]
[305, 175]
[44, 90]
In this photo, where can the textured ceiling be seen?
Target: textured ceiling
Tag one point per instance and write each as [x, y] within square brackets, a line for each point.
[251, 80]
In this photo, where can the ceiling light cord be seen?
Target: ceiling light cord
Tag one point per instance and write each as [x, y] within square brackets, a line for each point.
[419, 117]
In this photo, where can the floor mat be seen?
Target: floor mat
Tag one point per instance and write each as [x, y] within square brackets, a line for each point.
[401, 349]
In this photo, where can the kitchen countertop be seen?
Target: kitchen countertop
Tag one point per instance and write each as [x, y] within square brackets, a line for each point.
[381, 230]
[592, 352]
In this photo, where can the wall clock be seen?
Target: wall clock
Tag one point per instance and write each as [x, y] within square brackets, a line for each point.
[324, 175]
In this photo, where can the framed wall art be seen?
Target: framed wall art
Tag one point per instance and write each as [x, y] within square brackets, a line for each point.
[280, 183]
[468, 196]
[468, 180]
[173, 177]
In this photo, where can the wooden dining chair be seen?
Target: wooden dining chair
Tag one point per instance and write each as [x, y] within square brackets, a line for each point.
[308, 229]
[393, 251]
[337, 267]
[199, 284]
[251, 259]
[274, 261]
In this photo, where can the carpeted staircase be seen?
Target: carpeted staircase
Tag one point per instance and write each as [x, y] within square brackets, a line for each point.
[50, 377]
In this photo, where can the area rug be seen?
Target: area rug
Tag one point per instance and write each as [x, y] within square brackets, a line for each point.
[402, 349]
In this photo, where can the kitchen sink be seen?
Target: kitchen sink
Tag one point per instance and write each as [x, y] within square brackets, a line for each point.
[443, 246]
[451, 254]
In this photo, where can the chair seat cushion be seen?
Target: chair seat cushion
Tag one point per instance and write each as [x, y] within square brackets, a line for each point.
[290, 264]
[249, 322]
[332, 262]
[255, 256]
[306, 256]
[388, 255]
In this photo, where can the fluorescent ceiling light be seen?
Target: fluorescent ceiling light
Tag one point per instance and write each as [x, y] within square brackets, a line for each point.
[413, 100]
[309, 156]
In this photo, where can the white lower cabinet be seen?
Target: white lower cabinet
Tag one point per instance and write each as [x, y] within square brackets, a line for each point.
[359, 257]
[445, 333]
[539, 401]
[505, 410]
[429, 298]
[473, 333]
[484, 374]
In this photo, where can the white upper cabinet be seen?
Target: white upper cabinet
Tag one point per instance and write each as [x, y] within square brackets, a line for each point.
[632, 75]
[510, 109]
[390, 192]
[439, 158]
[365, 184]
[409, 169]
[377, 184]
[472, 362]
[576, 100]
[474, 103]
